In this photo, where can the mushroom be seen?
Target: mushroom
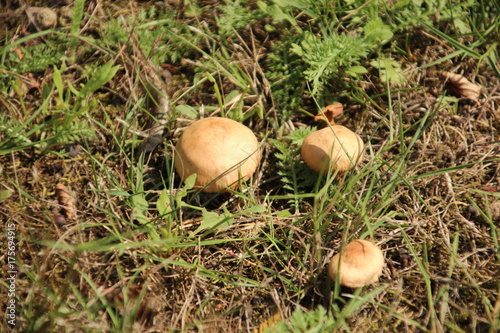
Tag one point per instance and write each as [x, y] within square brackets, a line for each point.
[359, 264]
[334, 148]
[220, 151]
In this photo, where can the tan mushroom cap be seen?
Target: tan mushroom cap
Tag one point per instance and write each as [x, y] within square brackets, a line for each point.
[220, 151]
[361, 264]
[335, 147]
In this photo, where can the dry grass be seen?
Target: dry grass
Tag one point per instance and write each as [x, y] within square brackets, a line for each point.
[427, 192]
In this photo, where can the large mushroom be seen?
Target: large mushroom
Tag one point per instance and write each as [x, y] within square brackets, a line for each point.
[359, 264]
[220, 151]
[335, 148]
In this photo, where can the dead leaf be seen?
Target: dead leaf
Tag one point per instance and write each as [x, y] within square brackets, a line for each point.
[66, 201]
[490, 188]
[463, 87]
[329, 112]
[23, 85]
[19, 52]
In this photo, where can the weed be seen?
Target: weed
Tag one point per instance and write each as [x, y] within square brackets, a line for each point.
[297, 178]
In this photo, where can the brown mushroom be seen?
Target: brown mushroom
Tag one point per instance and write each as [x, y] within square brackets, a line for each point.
[220, 151]
[334, 148]
[359, 264]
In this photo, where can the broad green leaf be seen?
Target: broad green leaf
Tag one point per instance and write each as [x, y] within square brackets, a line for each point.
[234, 94]
[255, 209]
[213, 220]
[389, 69]
[190, 181]
[73, 89]
[379, 36]
[188, 184]
[356, 70]
[58, 82]
[377, 32]
[284, 213]
[99, 79]
[119, 193]
[139, 207]
[5, 194]
[163, 203]
[277, 13]
[46, 92]
[186, 110]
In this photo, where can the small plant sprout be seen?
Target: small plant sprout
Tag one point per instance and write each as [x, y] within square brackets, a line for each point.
[334, 148]
[220, 151]
[359, 264]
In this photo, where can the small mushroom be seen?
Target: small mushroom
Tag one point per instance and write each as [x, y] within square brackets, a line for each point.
[334, 148]
[361, 264]
[220, 151]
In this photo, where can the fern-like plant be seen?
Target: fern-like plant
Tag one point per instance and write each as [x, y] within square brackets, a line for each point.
[286, 74]
[329, 57]
[317, 321]
[296, 176]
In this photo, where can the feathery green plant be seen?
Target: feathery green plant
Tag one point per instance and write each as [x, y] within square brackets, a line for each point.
[317, 320]
[236, 16]
[296, 176]
[35, 58]
[286, 76]
[330, 57]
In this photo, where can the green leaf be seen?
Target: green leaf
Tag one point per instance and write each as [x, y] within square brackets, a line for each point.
[356, 70]
[5, 194]
[213, 220]
[380, 35]
[186, 110]
[377, 32]
[46, 92]
[58, 82]
[277, 13]
[73, 89]
[255, 209]
[163, 203]
[284, 213]
[192, 10]
[297, 49]
[389, 70]
[77, 13]
[188, 184]
[329, 56]
[139, 208]
[190, 181]
[99, 79]
[119, 193]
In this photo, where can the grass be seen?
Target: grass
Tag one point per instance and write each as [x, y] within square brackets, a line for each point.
[146, 252]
